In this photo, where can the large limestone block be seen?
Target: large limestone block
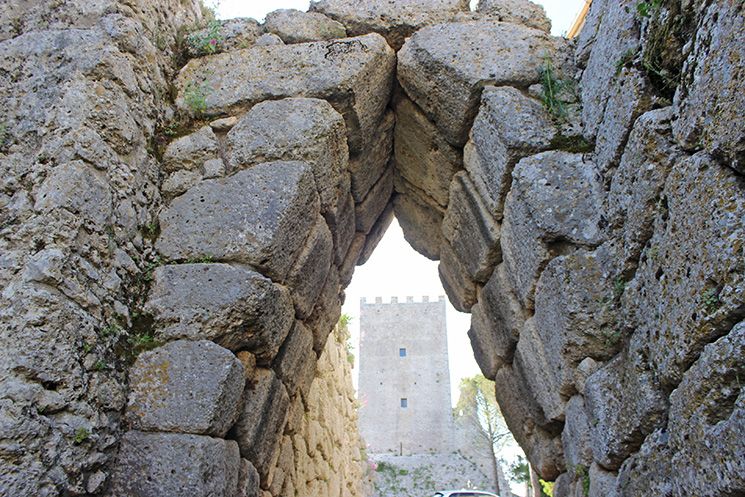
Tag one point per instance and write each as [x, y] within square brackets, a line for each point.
[471, 230]
[496, 322]
[423, 157]
[174, 465]
[533, 358]
[231, 305]
[633, 201]
[78, 188]
[367, 212]
[295, 26]
[458, 285]
[575, 316]
[191, 151]
[553, 203]
[707, 419]
[444, 68]
[260, 216]
[231, 34]
[395, 20]
[376, 234]
[624, 404]
[249, 484]
[575, 438]
[524, 418]
[630, 97]
[303, 129]
[368, 167]
[327, 310]
[185, 387]
[710, 100]
[346, 270]
[516, 11]
[617, 34]
[262, 418]
[508, 127]
[342, 224]
[649, 471]
[295, 364]
[309, 273]
[690, 288]
[420, 219]
[354, 74]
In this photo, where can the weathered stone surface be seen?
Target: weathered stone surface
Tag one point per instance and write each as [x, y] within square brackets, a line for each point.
[354, 75]
[231, 305]
[533, 358]
[295, 364]
[525, 420]
[367, 212]
[342, 224]
[589, 32]
[294, 26]
[516, 11]
[458, 285]
[394, 20]
[707, 419]
[172, 465]
[262, 418]
[471, 230]
[266, 213]
[309, 273]
[185, 387]
[346, 270]
[420, 219]
[649, 470]
[630, 98]
[576, 316]
[249, 484]
[496, 322]
[191, 151]
[303, 129]
[443, 68]
[690, 289]
[710, 100]
[423, 157]
[575, 439]
[552, 204]
[179, 182]
[77, 188]
[224, 124]
[269, 40]
[376, 234]
[624, 405]
[229, 34]
[508, 127]
[602, 483]
[632, 203]
[618, 34]
[367, 167]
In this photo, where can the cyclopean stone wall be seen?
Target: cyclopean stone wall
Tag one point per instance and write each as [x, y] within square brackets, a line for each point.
[599, 247]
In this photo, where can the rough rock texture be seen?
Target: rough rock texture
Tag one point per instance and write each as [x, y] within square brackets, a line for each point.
[396, 21]
[516, 11]
[185, 387]
[294, 26]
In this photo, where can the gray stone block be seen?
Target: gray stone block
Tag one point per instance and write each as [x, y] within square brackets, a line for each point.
[458, 285]
[376, 234]
[342, 224]
[471, 230]
[231, 305]
[394, 20]
[575, 439]
[266, 213]
[303, 129]
[368, 211]
[354, 74]
[327, 311]
[367, 167]
[258, 430]
[423, 157]
[294, 26]
[295, 364]
[174, 465]
[346, 270]
[191, 151]
[444, 68]
[185, 387]
[249, 483]
[516, 11]
[311, 268]
[77, 188]
[420, 219]
[508, 127]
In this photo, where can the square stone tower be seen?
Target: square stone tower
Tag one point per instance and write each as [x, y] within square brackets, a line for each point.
[404, 379]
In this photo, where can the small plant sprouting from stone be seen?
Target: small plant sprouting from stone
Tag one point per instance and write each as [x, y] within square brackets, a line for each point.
[581, 472]
[646, 9]
[619, 286]
[711, 300]
[625, 60]
[87, 347]
[143, 342]
[110, 330]
[81, 435]
[150, 230]
[207, 41]
[551, 89]
[195, 96]
[3, 135]
[100, 366]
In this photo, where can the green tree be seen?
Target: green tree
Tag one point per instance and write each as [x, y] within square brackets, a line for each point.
[477, 411]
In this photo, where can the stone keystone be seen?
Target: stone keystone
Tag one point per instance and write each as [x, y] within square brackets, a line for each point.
[186, 387]
[260, 216]
[354, 74]
[444, 68]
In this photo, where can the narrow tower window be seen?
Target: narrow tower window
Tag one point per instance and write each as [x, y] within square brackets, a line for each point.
[402, 352]
[404, 403]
